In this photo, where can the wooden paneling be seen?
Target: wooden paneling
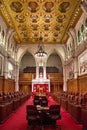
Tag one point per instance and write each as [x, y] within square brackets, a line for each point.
[9, 85]
[77, 85]
[56, 77]
[56, 81]
[25, 88]
[26, 78]
[72, 85]
[1, 83]
[82, 83]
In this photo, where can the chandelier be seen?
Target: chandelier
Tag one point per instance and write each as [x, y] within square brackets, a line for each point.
[40, 50]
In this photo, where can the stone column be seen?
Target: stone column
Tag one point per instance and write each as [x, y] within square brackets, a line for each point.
[9, 34]
[75, 67]
[16, 77]
[72, 34]
[65, 77]
[37, 70]
[44, 73]
[5, 69]
[75, 60]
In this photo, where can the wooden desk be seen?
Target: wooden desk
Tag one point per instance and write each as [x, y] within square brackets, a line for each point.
[43, 101]
[84, 118]
[75, 111]
[44, 115]
[42, 108]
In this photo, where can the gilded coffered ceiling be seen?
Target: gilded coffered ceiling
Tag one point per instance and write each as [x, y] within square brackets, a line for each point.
[35, 20]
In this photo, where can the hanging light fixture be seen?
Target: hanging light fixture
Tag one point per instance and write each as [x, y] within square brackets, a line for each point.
[40, 51]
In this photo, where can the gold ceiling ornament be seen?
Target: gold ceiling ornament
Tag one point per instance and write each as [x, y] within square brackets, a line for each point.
[48, 18]
[35, 34]
[61, 18]
[33, 6]
[46, 27]
[16, 7]
[46, 34]
[48, 6]
[56, 34]
[34, 18]
[34, 26]
[58, 27]
[22, 27]
[24, 34]
[64, 6]
[51, 17]
[20, 18]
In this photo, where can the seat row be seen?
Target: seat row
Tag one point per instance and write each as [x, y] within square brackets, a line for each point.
[73, 103]
[10, 102]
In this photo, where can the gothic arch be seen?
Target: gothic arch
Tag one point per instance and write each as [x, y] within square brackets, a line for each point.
[58, 53]
[24, 54]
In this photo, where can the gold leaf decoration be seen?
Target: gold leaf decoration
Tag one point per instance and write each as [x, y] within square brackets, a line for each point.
[20, 18]
[64, 6]
[16, 7]
[48, 6]
[33, 6]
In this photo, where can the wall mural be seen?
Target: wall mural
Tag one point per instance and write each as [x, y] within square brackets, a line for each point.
[71, 70]
[83, 64]
[10, 70]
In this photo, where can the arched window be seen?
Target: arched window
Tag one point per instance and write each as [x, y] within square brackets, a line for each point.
[82, 28]
[82, 32]
[86, 23]
[85, 37]
[79, 37]
[10, 70]
[68, 51]
[3, 37]
[3, 33]
[71, 48]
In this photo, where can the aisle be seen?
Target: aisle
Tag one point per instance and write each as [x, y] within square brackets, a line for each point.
[17, 120]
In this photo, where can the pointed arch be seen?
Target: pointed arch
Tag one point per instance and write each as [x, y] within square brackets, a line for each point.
[54, 61]
[61, 54]
[27, 60]
[26, 51]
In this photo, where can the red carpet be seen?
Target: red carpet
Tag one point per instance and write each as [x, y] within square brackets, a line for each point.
[17, 120]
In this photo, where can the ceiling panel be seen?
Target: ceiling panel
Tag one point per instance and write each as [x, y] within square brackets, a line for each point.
[40, 20]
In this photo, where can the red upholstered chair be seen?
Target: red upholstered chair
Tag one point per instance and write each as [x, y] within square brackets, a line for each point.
[44, 102]
[36, 100]
[54, 115]
[32, 116]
